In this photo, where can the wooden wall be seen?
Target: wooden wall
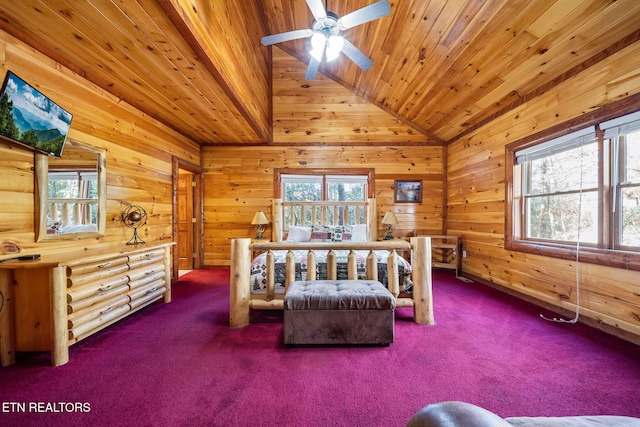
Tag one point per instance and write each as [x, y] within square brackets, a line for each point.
[239, 182]
[476, 202]
[318, 124]
[139, 155]
[321, 111]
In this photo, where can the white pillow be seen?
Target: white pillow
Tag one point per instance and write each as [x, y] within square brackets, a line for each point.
[359, 233]
[298, 234]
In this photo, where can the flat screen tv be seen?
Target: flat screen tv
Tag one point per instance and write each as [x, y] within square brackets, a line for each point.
[30, 118]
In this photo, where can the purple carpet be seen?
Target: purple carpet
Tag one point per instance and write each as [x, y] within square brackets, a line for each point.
[179, 364]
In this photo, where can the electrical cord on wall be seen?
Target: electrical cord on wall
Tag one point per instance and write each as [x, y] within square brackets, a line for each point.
[577, 316]
[1, 301]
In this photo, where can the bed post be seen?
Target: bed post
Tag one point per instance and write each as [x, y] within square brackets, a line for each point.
[240, 289]
[421, 275]
[276, 219]
[372, 216]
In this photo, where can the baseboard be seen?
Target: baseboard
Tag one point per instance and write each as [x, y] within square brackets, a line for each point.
[584, 319]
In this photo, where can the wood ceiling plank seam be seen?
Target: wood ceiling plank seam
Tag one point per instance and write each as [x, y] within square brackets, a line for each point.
[394, 73]
[456, 76]
[239, 67]
[70, 80]
[376, 33]
[185, 26]
[413, 45]
[200, 23]
[414, 50]
[502, 101]
[183, 53]
[554, 16]
[84, 53]
[217, 105]
[107, 35]
[573, 50]
[264, 29]
[465, 20]
[501, 115]
[479, 44]
[483, 65]
[487, 116]
[185, 109]
[567, 44]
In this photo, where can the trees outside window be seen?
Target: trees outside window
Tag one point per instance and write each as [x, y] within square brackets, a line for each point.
[325, 186]
[580, 189]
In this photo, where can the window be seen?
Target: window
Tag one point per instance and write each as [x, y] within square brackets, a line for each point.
[559, 190]
[81, 187]
[325, 185]
[311, 188]
[579, 189]
[625, 140]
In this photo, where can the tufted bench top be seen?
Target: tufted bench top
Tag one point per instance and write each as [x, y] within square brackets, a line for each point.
[338, 295]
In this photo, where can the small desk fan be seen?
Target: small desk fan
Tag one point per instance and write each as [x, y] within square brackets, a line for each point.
[134, 217]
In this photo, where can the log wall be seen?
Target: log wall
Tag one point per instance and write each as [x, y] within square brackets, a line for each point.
[239, 182]
[138, 160]
[476, 202]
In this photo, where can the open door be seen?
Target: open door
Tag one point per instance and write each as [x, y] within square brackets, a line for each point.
[188, 220]
[185, 220]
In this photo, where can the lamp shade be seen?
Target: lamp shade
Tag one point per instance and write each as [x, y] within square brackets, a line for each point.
[390, 218]
[259, 218]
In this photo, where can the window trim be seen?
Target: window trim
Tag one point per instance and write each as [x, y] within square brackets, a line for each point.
[595, 255]
[278, 172]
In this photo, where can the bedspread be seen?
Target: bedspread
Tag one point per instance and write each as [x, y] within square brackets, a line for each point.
[259, 268]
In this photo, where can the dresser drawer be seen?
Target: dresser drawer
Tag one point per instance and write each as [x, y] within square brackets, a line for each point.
[145, 289]
[97, 299]
[97, 275]
[154, 293]
[146, 256]
[91, 326]
[78, 269]
[89, 314]
[76, 293]
[148, 277]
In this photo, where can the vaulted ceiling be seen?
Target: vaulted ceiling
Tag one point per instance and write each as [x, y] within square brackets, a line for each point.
[440, 67]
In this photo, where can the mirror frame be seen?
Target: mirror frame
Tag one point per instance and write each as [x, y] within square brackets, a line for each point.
[42, 196]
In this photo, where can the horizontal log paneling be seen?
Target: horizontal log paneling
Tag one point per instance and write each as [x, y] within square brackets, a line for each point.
[476, 195]
[335, 117]
[239, 181]
[138, 158]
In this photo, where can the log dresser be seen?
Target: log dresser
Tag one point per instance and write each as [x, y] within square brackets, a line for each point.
[51, 303]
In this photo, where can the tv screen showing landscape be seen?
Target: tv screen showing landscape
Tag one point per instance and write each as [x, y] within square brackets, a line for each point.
[32, 119]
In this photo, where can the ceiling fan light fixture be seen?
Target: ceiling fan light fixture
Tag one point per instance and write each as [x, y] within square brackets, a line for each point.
[324, 33]
[318, 43]
[334, 47]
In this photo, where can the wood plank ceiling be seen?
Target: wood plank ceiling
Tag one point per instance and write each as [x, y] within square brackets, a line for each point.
[442, 67]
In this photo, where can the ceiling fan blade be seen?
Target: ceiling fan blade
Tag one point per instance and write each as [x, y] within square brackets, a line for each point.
[312, 69]
[354, 54]
[366, 14]
[317, 9]
[283, 37]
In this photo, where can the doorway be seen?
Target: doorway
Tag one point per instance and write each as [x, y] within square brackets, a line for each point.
[187, 216]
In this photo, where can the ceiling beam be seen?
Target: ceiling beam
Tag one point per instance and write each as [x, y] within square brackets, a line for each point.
[200, 46]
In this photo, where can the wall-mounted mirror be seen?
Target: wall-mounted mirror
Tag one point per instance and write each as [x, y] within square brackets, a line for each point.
[71, 193]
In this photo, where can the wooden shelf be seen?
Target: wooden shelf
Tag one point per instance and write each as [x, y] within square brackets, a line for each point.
[445, 251]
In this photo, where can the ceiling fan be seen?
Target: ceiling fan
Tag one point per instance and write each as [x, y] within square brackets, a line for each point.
[326, 41]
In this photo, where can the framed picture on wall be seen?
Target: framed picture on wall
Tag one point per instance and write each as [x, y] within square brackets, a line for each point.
[407, 191]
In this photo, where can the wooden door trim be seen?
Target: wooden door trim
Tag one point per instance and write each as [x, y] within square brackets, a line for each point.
[198, 211]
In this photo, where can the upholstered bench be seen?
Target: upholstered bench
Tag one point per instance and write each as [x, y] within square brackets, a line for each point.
[338, 312]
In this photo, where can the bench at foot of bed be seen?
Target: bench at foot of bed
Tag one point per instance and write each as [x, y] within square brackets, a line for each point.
[338, 312]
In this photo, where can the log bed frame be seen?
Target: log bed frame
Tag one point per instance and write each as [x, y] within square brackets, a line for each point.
[331, 213]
